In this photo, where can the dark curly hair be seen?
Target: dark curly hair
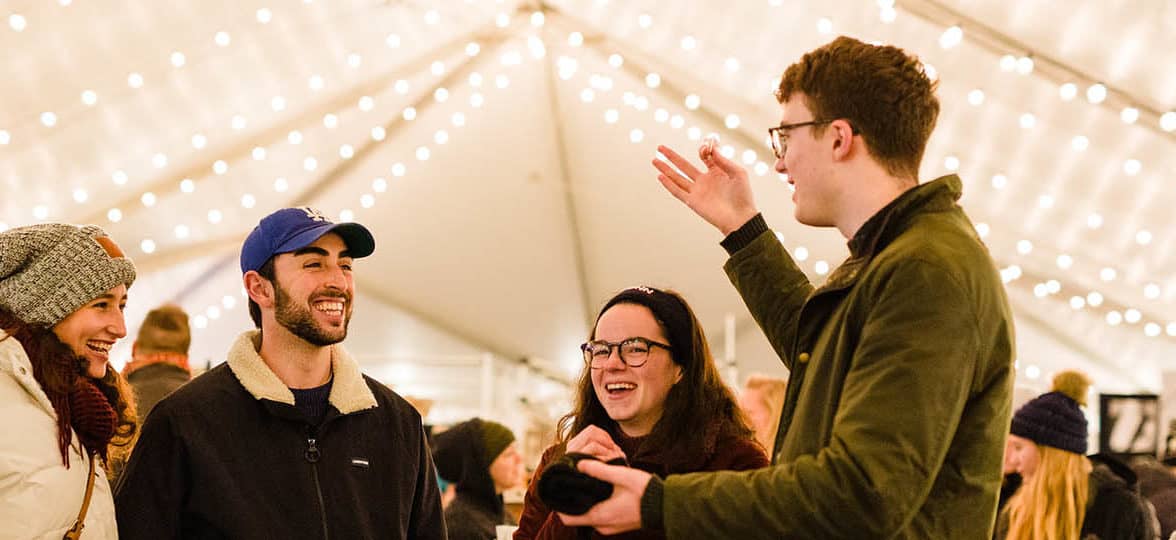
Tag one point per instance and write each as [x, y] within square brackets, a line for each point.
[881, 90]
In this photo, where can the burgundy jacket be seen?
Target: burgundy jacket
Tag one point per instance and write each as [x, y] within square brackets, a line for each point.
[539, 523]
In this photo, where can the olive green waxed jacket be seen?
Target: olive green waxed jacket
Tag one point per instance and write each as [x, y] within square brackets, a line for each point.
[899, 396]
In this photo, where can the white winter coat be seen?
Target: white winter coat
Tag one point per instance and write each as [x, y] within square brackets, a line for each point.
[39, 497]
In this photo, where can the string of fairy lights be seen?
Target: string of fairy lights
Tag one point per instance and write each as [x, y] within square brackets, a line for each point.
[640, 108]
[1092, 299]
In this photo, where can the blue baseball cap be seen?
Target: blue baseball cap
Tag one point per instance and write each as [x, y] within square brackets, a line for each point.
[291, 229]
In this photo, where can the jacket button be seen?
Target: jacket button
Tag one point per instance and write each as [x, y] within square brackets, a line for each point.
[22, 370]
[803, 358]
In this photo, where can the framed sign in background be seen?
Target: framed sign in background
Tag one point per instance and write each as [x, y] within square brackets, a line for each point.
[1129, 424]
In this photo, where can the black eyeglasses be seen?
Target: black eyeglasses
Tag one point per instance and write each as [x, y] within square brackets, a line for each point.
[779, 134]
[634, 352]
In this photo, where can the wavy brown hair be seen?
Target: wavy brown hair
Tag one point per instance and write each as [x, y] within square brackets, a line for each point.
[699, 410]
[57, 368]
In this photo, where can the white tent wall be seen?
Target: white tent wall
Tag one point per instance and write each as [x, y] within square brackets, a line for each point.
[499, 150]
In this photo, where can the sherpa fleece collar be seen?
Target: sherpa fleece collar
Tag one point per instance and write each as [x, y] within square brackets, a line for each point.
[349, 391]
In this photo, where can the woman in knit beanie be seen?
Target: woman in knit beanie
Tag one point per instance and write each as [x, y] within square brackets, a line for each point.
[481, 458]
[1065, 495]
[62, 293]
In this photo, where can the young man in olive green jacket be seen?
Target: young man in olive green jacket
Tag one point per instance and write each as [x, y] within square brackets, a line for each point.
[901, 362]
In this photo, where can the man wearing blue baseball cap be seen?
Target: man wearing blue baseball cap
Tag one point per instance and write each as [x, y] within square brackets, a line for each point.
[287, 439]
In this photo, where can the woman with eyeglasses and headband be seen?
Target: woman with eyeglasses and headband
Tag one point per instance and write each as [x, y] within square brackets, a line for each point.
[650, 393]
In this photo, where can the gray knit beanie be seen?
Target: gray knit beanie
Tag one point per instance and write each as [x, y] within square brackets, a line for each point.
[50, 270]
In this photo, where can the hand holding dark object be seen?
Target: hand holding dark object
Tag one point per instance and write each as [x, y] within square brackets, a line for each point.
[565, 489]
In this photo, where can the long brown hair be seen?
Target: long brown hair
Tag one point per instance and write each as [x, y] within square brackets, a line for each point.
[699, 409]
[57, 368]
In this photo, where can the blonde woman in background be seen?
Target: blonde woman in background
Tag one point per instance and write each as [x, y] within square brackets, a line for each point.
[1065, 495]
[761, 399]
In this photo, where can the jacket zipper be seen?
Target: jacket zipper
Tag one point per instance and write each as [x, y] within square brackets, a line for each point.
[312, 456]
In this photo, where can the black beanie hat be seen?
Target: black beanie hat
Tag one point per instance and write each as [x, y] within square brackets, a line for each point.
[1055, 419]
[495, 438]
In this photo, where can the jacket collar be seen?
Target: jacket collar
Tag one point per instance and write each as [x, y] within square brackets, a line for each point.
[878, 231]
[349, 391]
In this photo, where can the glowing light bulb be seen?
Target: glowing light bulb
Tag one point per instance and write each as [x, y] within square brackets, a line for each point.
[1067, 91]
[1168, 121]
[1129, 115]
[951, 37]
[1024, 65]
[1096, 93]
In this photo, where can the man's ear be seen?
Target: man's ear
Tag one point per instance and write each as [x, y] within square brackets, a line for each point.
[843, 140]
[259, 289]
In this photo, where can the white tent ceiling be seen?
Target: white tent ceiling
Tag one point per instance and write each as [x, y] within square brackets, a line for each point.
[499, 151]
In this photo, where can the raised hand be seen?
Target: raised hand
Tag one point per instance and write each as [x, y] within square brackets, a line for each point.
[721, 194]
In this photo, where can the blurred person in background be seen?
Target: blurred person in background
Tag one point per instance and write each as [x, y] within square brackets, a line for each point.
[649, 393]
[1157, 483]
[480, 458]
[63, 289]
[1064, 494]
[761, 400]
[159, 357]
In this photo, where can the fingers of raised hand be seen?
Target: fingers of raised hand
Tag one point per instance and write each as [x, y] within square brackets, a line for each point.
[680, 162]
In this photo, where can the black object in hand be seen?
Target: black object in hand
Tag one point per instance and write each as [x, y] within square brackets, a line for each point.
[565, 489]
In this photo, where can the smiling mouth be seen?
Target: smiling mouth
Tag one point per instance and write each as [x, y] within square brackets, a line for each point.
[330, 307]
[618, 389]
[100, 347]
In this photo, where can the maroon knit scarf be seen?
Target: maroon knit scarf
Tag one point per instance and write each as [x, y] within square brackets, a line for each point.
[91, 416]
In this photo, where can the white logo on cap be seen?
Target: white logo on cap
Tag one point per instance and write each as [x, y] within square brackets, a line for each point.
[314, 214]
